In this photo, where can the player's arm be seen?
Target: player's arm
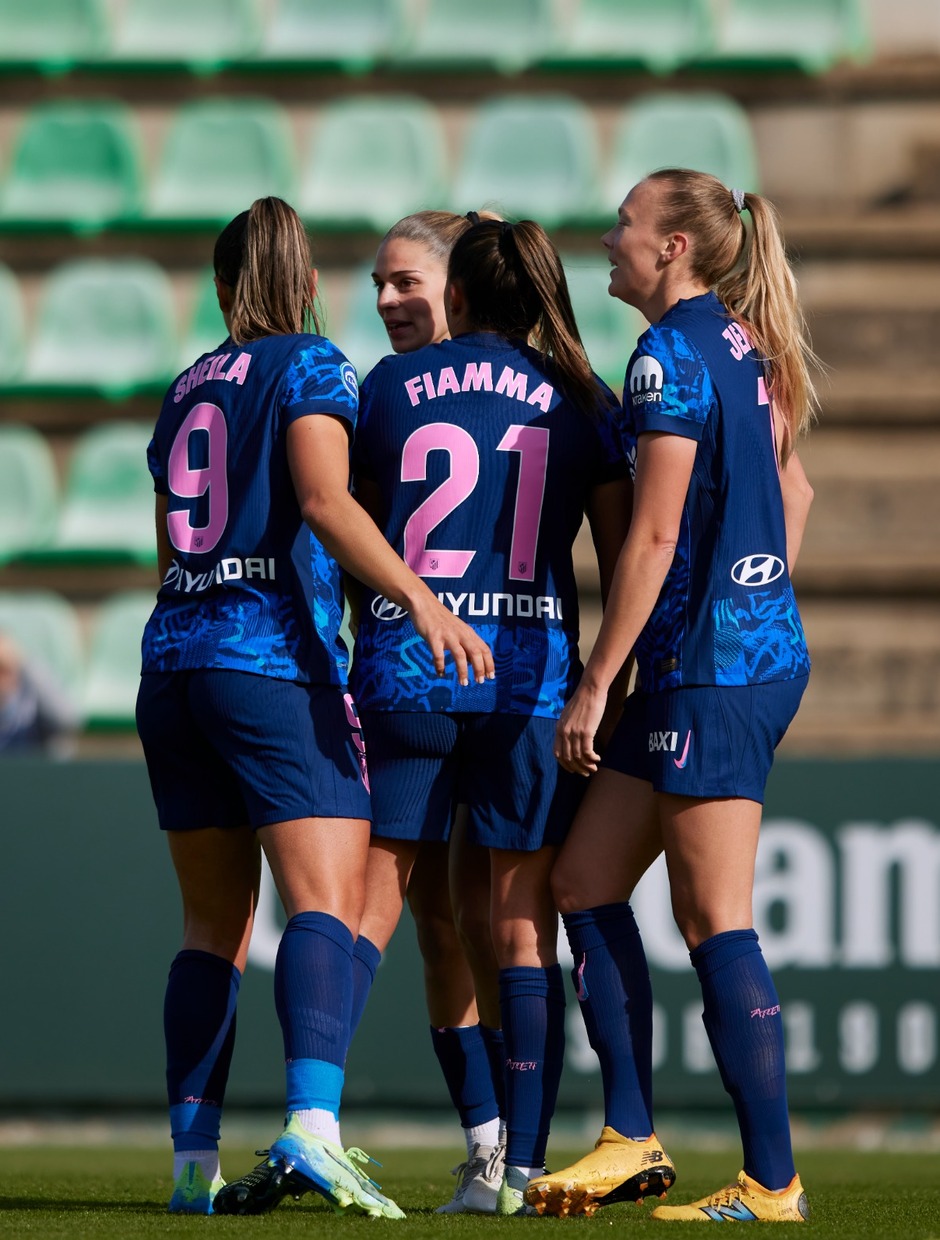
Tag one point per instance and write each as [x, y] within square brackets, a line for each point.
[663, 472]
[318, 455]
[797, 497]
[608, 512]
[164, 547]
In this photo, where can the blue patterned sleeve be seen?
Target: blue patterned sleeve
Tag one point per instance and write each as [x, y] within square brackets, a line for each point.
[320, 379]
[668, 384]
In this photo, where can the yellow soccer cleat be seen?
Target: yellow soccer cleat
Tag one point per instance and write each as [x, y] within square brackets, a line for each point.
[743, 1202]
[617, 1169]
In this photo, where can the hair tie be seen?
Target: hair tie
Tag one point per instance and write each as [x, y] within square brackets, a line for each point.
[505, 228]
[738, 198]
[473, 217]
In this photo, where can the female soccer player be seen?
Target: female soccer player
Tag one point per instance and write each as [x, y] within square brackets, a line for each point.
[250, 738]
[479, 455]
[719, 389]
[410, 278]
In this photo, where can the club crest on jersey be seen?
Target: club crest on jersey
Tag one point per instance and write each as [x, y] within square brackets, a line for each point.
[757, 570]
[646, 381]
[350, 382]
[385, 609]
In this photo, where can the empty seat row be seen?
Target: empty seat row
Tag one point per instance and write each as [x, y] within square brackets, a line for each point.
[111, 326]
[96, 666]
[361, 161]
[359, 35]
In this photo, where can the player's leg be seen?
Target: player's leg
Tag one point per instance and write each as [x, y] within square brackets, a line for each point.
[388, 872]
[614, 839]
[217, 862]
[711, 845]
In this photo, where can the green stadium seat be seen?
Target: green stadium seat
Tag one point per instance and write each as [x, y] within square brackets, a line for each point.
[487, 34]
[362, 335]
[203, 37]
[12, 327]
[810, 35]
[219, 156]
[657, 36]
[74, 164]
[29, 491]
[107, 509]
[106, 325]
[372, 160]
[352, 35]
[707, 131]
[530, 156]
[609, 328]
[113, 669]
[47, 629]
[51, 35]
[206, 328]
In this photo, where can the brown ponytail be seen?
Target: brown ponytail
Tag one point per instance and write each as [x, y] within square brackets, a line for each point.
[263, 255]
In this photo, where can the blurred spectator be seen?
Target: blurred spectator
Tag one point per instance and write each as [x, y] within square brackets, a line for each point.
[35, 714]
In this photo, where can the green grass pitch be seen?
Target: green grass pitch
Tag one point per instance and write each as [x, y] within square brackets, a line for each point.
[121, 1192]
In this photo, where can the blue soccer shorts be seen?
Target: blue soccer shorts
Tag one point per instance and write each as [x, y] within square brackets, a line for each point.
[710, 741]
[422, 765]
[229, 749]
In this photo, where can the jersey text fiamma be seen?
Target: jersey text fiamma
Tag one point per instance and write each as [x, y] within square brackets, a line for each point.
[542, 606]
[478, 377]
[255, 567]
[212, 368]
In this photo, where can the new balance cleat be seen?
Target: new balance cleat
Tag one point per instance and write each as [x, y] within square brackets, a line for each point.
[193, 1193]
[617, 1169]
[510, 1199]
[257, 1192]
[745, 1201]
[478, 1182]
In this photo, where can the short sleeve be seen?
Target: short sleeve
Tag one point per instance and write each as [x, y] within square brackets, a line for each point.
[320, 379]
[668, 385]
[155, 465]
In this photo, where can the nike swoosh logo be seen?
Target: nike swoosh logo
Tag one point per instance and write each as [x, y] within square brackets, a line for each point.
[680, 762]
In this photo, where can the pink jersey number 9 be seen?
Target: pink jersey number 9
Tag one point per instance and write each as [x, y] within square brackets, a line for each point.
[189, 483]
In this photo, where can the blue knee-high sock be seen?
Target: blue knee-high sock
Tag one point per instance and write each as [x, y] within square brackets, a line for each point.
[461, 1052]
[199, 1027]
[742, 1018]
[612, 982]
[365, 963]
[532, 1002]
[313, 997]
[495, 1045]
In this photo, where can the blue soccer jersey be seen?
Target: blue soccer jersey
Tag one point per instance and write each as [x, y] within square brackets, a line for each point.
[250, 587]
[484, 468]
[726, 614]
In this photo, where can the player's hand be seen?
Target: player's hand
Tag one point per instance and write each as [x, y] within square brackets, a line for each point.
[577, 728]
[443, 631]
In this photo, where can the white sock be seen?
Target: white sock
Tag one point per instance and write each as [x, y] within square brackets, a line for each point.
[482, 1134]
[321, 1123]
[208, 1161]
[529, 1172]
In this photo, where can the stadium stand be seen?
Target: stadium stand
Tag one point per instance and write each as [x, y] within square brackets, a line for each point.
[74, 163]
[656, 36]
[201, 37]
[488, 34]
[113, 665]
[395, 142]
[608, 327]
[46, 626]
[107, 504]
[29, 491]
[51, 35]
[702, 129]
[811, 35]
[350, 35]
[12, 326]
[104, 325]
[532, 155]
[219, 155]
